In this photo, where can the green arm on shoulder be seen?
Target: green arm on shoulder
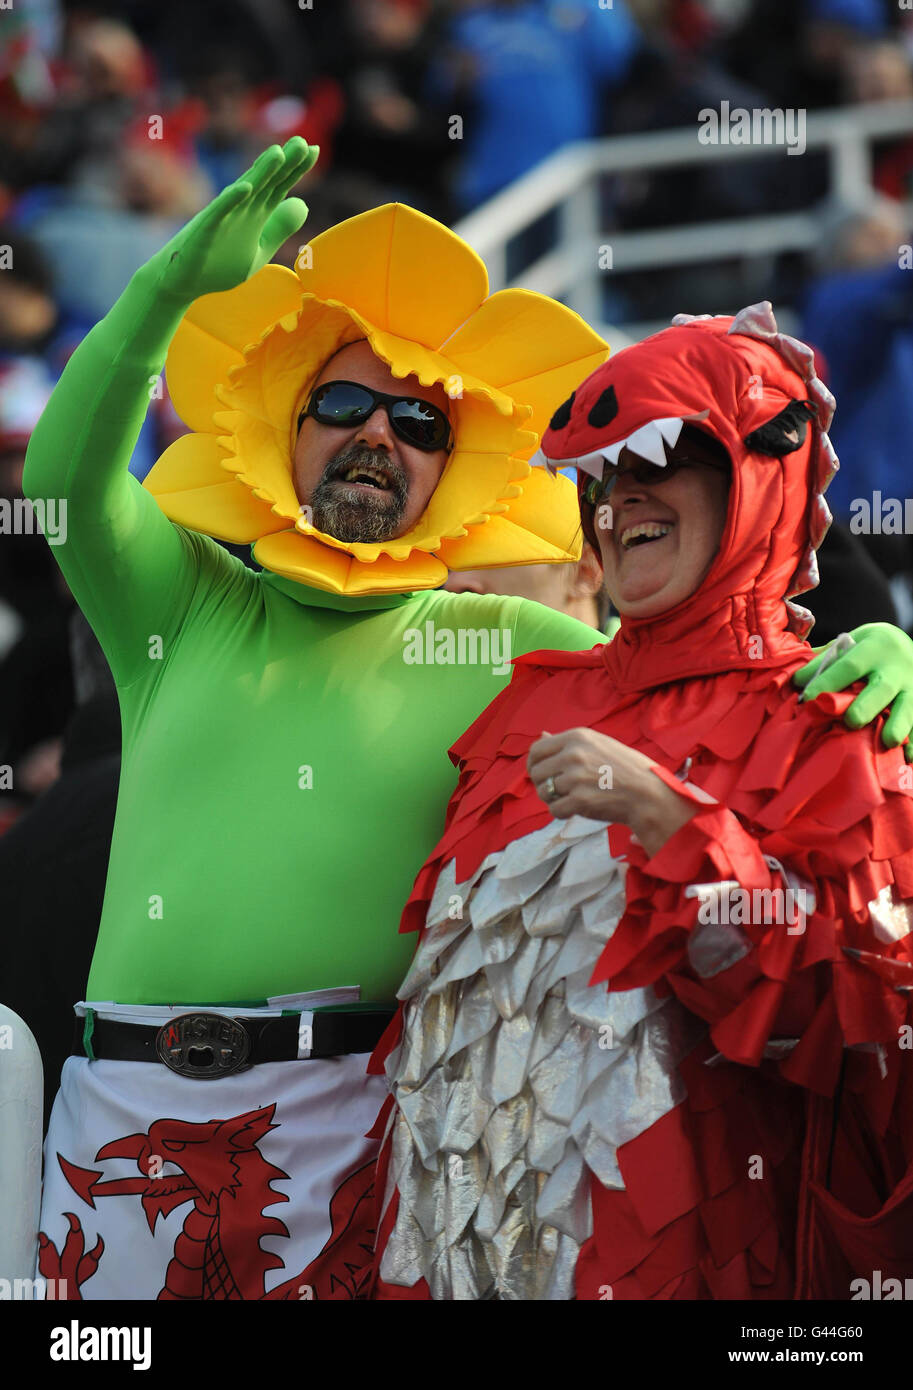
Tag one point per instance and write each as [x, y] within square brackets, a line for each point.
[882, 656]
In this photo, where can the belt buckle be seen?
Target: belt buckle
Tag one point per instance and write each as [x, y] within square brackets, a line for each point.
[203, 1046]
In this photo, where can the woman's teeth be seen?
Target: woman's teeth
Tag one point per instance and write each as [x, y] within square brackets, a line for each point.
[645, 531]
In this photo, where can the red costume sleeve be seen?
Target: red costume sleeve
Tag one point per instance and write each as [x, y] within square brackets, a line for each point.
[786, 1005]
[839, 977]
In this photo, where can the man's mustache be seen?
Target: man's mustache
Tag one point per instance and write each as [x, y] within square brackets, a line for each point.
[364, 455]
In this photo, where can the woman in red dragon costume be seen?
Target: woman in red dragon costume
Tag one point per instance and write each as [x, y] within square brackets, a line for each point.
[656, 1039]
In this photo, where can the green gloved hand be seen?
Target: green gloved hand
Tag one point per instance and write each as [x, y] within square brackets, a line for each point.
[882, 656]
[236, 234]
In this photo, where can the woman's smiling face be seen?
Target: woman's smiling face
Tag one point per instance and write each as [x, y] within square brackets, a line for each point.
[649, 571]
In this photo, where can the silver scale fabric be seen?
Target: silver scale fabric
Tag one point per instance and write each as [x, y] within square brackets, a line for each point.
[515, 1079]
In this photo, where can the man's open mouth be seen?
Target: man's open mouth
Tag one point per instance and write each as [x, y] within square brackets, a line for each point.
[362, 496]
[644, 532]
[367, 476]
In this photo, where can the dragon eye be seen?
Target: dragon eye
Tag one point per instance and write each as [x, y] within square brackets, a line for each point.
[562, 415]
[605, 409]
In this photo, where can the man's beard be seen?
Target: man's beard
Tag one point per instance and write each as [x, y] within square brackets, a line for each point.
[351, 516]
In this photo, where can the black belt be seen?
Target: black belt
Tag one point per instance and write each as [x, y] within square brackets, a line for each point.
[205, 1045]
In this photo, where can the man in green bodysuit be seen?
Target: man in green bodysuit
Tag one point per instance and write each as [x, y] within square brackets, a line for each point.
[367, 422]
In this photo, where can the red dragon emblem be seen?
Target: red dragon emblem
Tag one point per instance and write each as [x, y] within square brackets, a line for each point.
[228, 1181]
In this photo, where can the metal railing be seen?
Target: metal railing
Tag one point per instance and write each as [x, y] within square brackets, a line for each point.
[569, 182]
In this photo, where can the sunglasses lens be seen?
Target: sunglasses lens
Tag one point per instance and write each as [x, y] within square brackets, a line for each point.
[415, 421]
[643, 472]
[343, 403]
[647, 473]
[420, 424]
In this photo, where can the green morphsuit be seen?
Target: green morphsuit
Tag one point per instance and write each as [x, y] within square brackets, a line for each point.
[284, 767]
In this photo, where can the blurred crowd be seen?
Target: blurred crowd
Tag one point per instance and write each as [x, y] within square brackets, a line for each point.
[121, 121]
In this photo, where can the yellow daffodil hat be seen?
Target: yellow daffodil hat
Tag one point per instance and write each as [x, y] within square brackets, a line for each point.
[242, 365]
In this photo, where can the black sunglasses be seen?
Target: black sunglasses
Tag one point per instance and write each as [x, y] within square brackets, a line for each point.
[346, 403]
[643, 472]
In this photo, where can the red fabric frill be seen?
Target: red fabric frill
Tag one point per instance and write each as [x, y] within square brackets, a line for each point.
[779, 1176]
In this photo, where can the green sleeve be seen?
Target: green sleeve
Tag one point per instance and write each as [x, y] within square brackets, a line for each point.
[131, 571]
[538, 628]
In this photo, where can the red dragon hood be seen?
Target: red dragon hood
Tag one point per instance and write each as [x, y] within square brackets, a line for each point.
[738, 379]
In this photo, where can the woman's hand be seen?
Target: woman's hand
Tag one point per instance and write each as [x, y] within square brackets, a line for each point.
[596, 776]
[236, 234]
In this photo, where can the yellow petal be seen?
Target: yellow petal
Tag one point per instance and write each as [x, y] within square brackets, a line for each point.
[261, 461]
[549, 507]
[402, 271]
[229, 511]
[531, 347]
[405, 358]
[259, 407]
[471, 484]
[244, 362]
[192, 461]
[542, 524]
[193, 489]
[213, 334]
[335, 571]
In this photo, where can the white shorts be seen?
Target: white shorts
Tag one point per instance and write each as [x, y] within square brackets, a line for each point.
[258, 1184]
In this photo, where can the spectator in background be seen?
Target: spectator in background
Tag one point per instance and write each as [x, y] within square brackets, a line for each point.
[797, 53]
[53, 864]
[527, 77]
[853, 589]
[27, 583]
[393, 139]
[71, 132]
[234, 115]
[878, 71]
[29, 41]
[96, 200]
[576, 590]
[883, 71]
[96, 246]
[39, 324]
[29, 316]
[282, 42]
[859, 312]
[36, 687]
[685, 66]
[394, 142]
[225, 141]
